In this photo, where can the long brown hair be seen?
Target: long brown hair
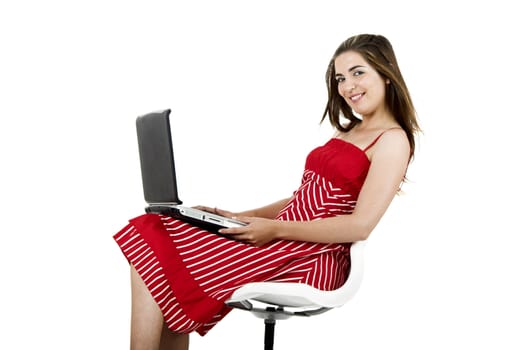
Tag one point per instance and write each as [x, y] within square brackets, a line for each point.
[378, 52]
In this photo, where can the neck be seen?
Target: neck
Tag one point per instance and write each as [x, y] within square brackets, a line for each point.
[377, 121]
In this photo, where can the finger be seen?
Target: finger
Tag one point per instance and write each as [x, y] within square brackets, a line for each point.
[232, 231]
[246, 219]
[223, 212]
[202, 207]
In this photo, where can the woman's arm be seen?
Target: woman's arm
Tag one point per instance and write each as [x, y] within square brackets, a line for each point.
[387, 169]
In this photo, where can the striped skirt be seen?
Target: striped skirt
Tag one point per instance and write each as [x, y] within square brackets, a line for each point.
[191, 272]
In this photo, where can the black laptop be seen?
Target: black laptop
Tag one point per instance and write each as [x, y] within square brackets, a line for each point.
[158, 174]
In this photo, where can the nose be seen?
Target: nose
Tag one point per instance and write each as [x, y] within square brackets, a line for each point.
[348, 86]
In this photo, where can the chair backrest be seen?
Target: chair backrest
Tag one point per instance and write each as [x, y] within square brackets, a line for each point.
[348, 290]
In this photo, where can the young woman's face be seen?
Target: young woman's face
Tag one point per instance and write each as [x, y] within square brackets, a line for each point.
[359, 84]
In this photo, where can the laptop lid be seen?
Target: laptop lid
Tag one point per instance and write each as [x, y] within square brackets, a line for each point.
[156, 158]
[158, 174]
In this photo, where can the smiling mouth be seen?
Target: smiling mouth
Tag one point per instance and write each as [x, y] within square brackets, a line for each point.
[355, 98]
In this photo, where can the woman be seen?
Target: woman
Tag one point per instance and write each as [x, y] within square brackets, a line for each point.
[181, 275]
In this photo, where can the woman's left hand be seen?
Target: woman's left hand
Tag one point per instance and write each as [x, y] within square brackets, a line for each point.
[258, 232]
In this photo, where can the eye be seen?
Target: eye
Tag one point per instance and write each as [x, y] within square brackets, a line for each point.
[339, 79]
[357, 73]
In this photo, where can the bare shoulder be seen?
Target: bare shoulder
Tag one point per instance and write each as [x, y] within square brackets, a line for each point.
[396, 135]
[393, 143]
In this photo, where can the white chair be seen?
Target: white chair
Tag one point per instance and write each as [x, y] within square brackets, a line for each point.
[274, 301]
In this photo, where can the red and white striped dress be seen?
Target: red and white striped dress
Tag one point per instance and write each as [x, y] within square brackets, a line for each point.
[191, 272]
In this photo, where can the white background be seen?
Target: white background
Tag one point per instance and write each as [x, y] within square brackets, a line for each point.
[245, 81]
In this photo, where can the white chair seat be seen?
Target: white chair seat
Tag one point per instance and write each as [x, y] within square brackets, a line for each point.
[277, 298]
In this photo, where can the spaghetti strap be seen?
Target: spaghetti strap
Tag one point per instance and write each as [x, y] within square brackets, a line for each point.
[377, 138]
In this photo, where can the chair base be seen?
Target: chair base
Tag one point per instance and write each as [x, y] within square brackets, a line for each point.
[271, 314]
[269, 334]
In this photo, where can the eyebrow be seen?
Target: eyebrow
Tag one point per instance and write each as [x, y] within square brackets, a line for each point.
[354, 67]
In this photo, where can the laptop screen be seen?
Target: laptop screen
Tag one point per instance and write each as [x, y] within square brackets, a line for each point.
[156, 158]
